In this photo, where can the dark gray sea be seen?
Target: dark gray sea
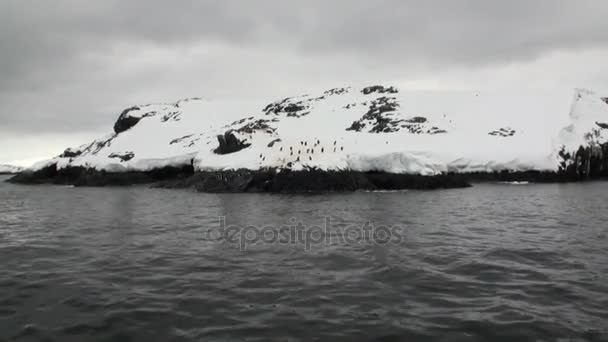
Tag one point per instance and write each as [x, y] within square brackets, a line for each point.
[494, 262]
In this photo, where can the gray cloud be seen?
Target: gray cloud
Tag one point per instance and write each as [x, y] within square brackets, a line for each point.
[69, 65]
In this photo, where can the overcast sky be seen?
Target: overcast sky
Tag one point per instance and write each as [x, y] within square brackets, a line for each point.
[68, 67]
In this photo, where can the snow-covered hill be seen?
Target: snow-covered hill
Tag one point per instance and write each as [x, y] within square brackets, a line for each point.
[8, 169]
[371, 129]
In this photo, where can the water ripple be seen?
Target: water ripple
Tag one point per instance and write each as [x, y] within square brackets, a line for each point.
[489, 263]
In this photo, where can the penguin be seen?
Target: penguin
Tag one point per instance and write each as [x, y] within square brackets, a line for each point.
[281, 149]
[298, 159]
[307, 150]
[335, 142]
[312, 151]
[334, 149]
[291, 153]
[306, 143]
[342, 148]
[309, 158]
[299, 151]
[260, 155]
[322, 149]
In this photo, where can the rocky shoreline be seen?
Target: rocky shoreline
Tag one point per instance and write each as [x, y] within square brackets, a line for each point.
[274, 181]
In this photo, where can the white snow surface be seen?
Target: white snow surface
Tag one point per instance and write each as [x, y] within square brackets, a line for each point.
[10, 169]
[428, 132]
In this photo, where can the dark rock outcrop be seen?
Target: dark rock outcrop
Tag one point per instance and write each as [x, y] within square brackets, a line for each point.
[288, 107]
[125, 121]
[336, 91]
[588, 162]
[379, 89]
[306, 181]
[257, 125]
[70, 153]
[503, 132]
[229, 143]
[271, 144]
[122, 156]
[378, 117]
[81, 176]
[602, 125]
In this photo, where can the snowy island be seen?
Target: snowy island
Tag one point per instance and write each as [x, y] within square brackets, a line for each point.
[9, 169]
[371, 138]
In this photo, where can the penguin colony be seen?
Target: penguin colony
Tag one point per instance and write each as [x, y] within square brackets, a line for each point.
[310, 152]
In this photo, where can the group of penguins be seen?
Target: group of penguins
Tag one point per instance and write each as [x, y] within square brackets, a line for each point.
[304, 149]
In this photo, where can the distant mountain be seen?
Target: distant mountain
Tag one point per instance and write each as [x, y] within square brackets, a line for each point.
[9, 169]
[373, 129]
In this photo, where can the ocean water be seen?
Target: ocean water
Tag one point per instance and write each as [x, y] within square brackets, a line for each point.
[495, 262]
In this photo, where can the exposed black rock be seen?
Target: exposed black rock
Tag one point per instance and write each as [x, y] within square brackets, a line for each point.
[175, 116]
[503, 132]
[229, 143]
[605, 99]
[286, 181]
[602, 125]
[180, 139]
[379, 89]
[125, 121]
[287, 107]
[271, 144]
[336, 91]
[378, 117]
[588, 162]
[436, 130]
[80, 176]
[70, 153]
[123, 157]
[258, 125]
[312, 180]
[99, 145]
[417, 119]
[531, 176]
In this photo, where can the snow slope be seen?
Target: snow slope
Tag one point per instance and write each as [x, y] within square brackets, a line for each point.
[9, 169]
[374, 128]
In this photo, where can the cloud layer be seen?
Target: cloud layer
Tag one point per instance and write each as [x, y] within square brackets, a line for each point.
[68, 67]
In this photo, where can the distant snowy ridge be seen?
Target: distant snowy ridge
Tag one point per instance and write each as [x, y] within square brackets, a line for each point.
[8, 169]
[375, 128]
